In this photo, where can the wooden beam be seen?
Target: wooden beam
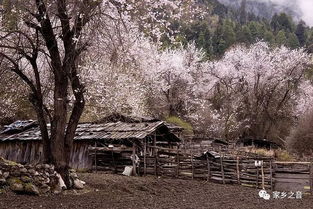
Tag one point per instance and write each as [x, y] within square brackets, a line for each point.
[209, 167]
[279, 162]
[262, 174]
[192, 166]
[222, 166]
[161, 148]
[311, 180]
[156, 164]
[271, 175]
[113, 161]
[133, 160]
[154, 143]
[257, 177]
[178, 163]
[144, 157]
[96, 156]
[238, 170]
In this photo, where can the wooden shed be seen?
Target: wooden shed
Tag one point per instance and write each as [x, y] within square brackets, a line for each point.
[105, 145]
[257, 143]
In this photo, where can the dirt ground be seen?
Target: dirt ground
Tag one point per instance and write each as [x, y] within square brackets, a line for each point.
[114, 191]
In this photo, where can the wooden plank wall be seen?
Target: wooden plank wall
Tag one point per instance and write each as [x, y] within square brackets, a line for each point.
[80, 158]
[22, 151]
[30, 152]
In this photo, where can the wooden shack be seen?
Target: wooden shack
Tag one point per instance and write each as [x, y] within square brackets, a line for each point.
[102, 145]
[257, 143]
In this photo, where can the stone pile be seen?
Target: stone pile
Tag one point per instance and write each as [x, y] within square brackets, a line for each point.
[33, 179]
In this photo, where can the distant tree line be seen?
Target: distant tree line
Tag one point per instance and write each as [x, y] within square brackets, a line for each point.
[223, 27]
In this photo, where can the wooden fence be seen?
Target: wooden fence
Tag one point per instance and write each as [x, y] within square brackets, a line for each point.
[293, 176]
[221, 168]
[224, 166]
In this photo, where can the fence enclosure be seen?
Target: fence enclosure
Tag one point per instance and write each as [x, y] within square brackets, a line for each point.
[212, 166]
[223, 166]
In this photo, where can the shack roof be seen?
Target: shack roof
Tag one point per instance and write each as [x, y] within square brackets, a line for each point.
[116, 117]
[106, 131]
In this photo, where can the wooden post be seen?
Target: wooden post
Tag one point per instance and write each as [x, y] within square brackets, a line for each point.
[192, 166]
[178, 164]
[155, 163]
[257, 177]
[209, 169]
[271, 174]
[144, 158]
[96, 156]
[113, 161]
[238, 170]
[262, 174]
[133, 160]
[222, 167]
[154, 143]
[311, 180]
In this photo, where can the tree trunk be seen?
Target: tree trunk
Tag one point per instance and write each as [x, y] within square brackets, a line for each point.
[58, 125]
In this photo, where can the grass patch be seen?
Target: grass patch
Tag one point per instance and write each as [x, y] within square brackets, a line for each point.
[283, 155]
[180, 122]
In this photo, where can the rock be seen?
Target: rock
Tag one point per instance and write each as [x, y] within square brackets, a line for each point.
[16, 185]
[14, 180]
[61, 182]
[38, 180]
[26, 179]
[19, 165]
[15, 173]
[31, 189]
[78, 184]
[46, 166]
[72, 170]
[51, 170]
[2, 181]
[38, 166]
[71, 182]
[5, 175]
[46, 181]
[57, 191]
[23, 170]
[73, 176]
[45, 189]
[32, 171]
[0, 172]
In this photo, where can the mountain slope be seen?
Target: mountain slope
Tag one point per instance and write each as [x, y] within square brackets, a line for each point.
[267, 8]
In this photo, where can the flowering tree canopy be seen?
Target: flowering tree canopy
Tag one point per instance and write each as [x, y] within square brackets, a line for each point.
[254, 90]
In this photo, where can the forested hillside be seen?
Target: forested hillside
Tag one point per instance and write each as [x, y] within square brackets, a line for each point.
[266, 8]
[224, 26]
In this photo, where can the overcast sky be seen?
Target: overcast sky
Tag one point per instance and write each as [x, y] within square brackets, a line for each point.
[306, 7]
[307, 10]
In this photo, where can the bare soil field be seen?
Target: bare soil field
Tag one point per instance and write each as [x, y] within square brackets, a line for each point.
[114, 191]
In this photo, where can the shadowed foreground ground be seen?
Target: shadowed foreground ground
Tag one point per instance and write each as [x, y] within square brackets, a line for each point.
[114, 191]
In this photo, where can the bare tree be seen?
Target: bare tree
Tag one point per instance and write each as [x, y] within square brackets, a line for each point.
[49, 38]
